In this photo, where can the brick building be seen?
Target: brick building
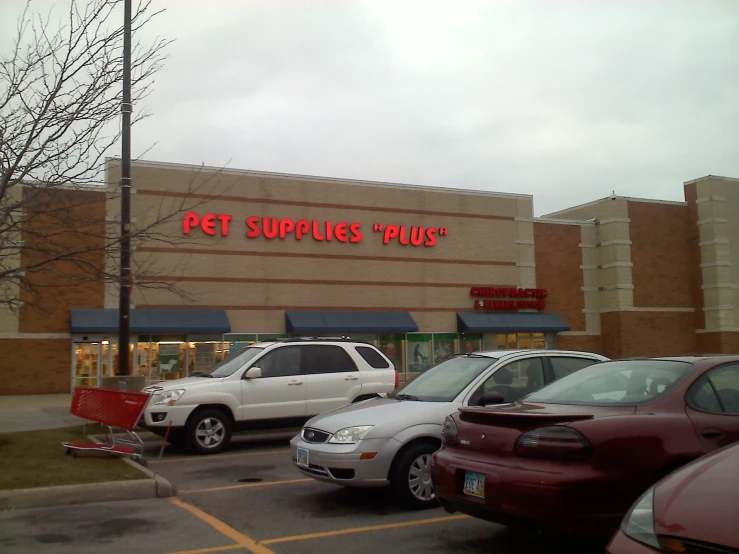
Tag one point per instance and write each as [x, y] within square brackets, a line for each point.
[422, 272]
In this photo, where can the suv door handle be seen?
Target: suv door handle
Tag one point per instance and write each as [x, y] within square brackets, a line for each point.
[293, 383]
[351, 378]
[712, 433]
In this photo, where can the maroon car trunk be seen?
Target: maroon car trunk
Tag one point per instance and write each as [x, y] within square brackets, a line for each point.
[522, 488]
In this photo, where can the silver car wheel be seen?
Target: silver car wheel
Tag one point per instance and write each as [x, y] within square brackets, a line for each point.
[210, 432]
[419, 478]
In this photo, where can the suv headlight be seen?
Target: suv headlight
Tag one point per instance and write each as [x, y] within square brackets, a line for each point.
[169, 397]
[639, 520]
[350, 435]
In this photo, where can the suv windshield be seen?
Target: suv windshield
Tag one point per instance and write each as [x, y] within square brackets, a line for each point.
[233, 363]
[621, 383]
[444, 382]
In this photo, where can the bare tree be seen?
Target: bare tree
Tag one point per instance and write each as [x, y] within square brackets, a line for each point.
[60, 97]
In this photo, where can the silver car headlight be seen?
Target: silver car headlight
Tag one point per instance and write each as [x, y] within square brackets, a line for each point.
[350, 435]
[639, 520]
[169, 397]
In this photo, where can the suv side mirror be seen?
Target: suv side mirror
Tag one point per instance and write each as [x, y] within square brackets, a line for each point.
[253, 373]
[491, 397]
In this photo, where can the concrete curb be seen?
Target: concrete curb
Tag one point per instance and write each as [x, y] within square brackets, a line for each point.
[152, 486]
[64, 495]
[164, 488]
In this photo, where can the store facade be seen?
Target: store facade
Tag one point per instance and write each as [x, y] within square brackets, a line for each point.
[423, 273]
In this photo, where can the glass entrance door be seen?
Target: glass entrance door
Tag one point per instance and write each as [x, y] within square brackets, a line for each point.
[88, 362]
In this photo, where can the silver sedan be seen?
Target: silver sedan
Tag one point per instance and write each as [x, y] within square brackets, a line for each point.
[389, 441]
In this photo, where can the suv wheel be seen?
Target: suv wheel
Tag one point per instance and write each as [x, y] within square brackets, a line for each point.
[411, 477]
[208, 432]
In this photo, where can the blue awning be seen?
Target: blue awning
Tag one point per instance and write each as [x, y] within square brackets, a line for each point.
[510, 322]
[308, 321]
[105, 320]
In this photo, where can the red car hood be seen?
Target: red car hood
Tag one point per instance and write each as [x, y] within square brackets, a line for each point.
[700, 501]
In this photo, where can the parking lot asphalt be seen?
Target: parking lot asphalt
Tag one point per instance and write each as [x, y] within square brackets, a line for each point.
[251, 499]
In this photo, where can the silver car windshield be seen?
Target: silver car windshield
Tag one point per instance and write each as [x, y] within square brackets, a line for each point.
[444, 382]
[233, 363]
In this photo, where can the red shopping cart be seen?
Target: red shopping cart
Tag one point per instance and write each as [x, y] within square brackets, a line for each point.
[112, 408]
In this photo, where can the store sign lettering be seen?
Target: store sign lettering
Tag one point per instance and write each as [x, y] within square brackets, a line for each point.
[509, 298]
[321, 231]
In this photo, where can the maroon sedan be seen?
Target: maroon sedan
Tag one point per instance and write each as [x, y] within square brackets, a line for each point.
[692, 511]
[574, 456]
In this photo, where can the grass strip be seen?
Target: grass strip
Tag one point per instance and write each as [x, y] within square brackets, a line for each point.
[33, 459]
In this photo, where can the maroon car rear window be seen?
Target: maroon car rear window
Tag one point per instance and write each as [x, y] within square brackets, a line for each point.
[618, 383]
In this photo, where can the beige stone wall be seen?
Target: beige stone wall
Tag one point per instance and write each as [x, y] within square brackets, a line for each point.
[590, 261]
[10, 291]
[8, 320]
[490, 242]
[717, 203]
[606, 256]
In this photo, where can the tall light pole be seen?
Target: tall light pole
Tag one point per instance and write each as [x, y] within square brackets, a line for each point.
[125, 284]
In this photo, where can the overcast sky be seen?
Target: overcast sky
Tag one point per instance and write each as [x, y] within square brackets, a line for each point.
[565, 100]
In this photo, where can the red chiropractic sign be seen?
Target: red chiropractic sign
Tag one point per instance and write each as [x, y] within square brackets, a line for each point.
[509, 298]
[321, 231]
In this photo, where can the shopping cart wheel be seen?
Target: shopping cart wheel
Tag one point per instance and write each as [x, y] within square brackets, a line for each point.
[141, 461]
[68, 452]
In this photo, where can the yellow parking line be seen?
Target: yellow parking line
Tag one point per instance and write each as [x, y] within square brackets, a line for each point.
[364, 529]
[240, 539]
[211, 549]
[247, 486]
[211, 458]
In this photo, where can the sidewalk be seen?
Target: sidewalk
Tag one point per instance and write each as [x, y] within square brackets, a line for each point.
[33, 413]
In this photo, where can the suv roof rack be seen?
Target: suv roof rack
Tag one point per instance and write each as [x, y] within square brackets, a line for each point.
[342, 338]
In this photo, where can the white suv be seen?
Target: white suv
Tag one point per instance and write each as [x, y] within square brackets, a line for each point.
[269, 387]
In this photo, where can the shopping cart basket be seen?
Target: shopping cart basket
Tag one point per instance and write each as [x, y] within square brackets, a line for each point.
[112, 408]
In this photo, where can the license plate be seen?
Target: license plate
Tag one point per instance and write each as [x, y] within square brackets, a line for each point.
[303, 457]
[474, 484]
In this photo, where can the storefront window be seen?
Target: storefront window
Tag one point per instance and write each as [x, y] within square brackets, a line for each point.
[539, 341]
[489, 341]
[87, 365]
[531, 340]
[234, 343]
[445, 346]
[144, 357]
[204, 355]
[469, 342]
[393, 346]
[131, 357]
[131, 381]
[263, 337]
[168, 360]
[165, 357]
[419, 348]
[515, 341]
[106, 370]
[551, 341]
[364, 337]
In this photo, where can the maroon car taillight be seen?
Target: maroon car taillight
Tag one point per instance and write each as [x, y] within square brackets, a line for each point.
[554, 443]
[449, 435]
